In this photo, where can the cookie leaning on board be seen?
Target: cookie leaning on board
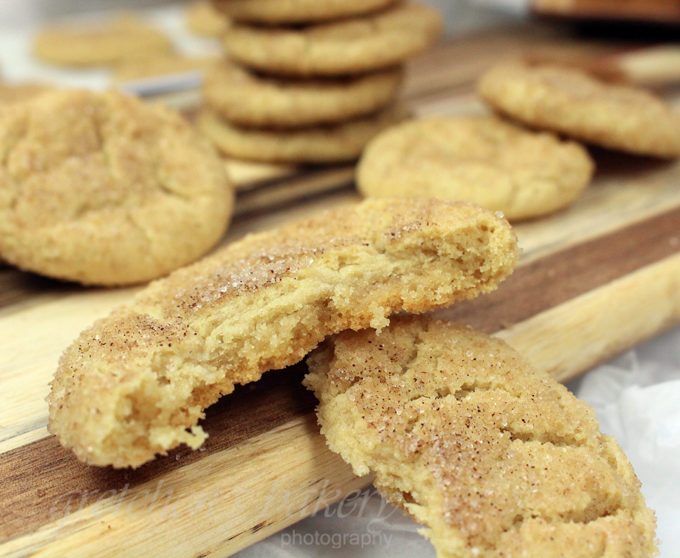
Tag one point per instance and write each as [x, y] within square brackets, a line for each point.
[135, 384]
[523, 172]
[495, 458]
[573, 103]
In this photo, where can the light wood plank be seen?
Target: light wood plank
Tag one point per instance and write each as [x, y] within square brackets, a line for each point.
[589, 330]
[241, 484]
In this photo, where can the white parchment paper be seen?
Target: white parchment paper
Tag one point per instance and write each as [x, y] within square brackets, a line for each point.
[637, 400]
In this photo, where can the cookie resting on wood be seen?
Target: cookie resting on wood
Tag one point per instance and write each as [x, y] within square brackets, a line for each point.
[104, 189]
[495, 458]
[573, 103]
[135, 384]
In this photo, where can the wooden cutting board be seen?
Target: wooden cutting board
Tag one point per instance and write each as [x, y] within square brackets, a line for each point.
[659, 11]
[593, 281]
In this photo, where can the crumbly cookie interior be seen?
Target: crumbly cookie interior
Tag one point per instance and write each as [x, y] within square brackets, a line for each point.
[144, 375]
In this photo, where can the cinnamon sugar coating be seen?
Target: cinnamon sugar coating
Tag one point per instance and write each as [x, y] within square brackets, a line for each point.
[135, 384]
[495, 458]
[101, 188]
[573, 103]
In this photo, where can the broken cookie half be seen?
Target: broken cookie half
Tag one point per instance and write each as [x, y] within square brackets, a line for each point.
[495, 458]
[135, 384]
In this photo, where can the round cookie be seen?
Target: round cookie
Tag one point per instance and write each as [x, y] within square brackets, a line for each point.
[276, 12]
[135, 384]
[345, 47]
[323, 144]
[493, 456]
[99, 45]
[247, 99]
[484, 160]
[104, 189]
[203, 19]
[573, 103]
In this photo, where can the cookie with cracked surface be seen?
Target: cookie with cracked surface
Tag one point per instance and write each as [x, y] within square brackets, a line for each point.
[279, 12]
[318, 144]
[495, 458]
[103, 189]
[573, 103]
[248, 99]
[135, 384]
[485, 160]
[345, 47]
[203, 19]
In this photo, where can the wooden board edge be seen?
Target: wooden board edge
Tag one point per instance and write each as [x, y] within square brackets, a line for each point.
[600, 320]
[236, 504]
[601, 323]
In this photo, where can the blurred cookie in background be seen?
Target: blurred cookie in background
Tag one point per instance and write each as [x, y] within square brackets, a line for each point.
[343, 47]
[571, 102]
[317, 144]
[275, 12]
[99, 44]
[203, 19]
[143, 66]
[484, 160]
[249, 99]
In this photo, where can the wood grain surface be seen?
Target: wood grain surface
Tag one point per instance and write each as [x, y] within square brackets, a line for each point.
[660, 11]
[593, 281]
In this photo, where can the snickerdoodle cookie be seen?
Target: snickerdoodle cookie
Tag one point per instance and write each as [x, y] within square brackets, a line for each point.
[203, 19]
[573, 103]
[484, 160]
[276, 12]
[104, 189]
[349, 46]
[248, 99]
[135, 384]
[99, 44]
[318, 144]
[495, 458]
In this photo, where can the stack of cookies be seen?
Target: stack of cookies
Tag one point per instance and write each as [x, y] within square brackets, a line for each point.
[311, 81]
